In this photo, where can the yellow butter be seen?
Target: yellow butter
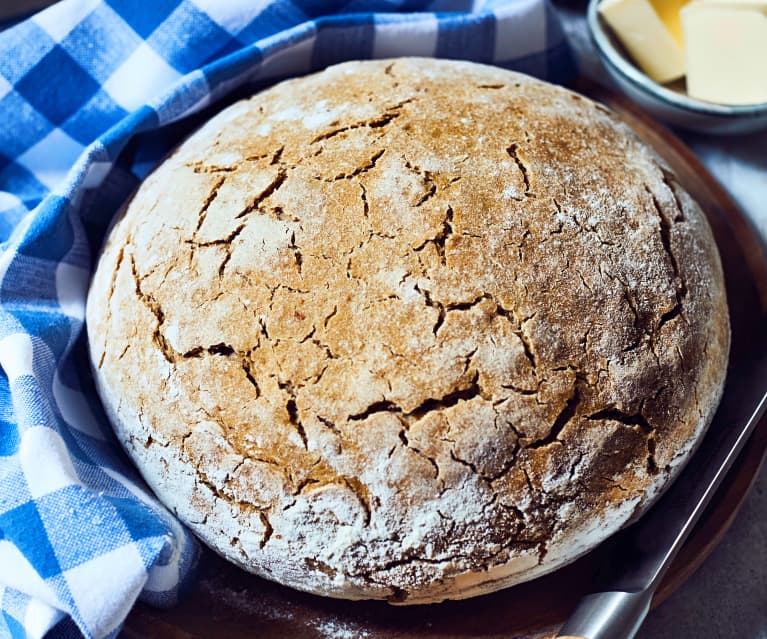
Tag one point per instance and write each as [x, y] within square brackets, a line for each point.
[668, 12]
[726, 52]
[645, 36]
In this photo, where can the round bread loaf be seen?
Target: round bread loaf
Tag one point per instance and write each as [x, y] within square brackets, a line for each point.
[411, 330]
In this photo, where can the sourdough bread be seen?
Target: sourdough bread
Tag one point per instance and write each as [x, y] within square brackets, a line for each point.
[410, 329]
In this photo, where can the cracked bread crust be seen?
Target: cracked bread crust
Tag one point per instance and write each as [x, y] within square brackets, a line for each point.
[410, 329]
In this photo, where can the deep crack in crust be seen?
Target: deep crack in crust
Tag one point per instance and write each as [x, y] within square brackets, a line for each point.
[368, 350]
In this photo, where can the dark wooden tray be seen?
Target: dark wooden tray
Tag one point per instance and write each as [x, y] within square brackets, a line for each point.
[228, 602]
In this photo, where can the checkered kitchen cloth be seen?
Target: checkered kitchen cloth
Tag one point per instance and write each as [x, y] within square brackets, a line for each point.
[92, 95]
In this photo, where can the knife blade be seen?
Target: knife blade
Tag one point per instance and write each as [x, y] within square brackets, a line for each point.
[639, 556]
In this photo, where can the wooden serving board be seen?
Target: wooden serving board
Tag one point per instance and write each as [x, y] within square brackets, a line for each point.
[228, 602]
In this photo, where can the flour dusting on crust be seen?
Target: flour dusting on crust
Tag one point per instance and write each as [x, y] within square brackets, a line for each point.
[409, 329]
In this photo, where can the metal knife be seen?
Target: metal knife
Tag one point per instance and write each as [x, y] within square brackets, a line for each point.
[641, 554]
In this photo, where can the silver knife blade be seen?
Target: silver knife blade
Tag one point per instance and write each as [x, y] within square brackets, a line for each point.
[640, 555]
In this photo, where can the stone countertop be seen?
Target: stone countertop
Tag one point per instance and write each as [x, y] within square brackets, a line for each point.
[727, 597]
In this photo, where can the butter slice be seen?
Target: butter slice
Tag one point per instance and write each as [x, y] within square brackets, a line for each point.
[758, 5]
[645, 36]
[726, 52]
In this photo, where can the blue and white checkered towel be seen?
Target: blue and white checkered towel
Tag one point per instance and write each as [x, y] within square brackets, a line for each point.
[92, 94]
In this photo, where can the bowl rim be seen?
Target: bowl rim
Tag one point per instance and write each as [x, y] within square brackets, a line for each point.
[613, 58]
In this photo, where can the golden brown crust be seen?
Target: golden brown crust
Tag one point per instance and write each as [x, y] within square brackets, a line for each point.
[409, 329]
